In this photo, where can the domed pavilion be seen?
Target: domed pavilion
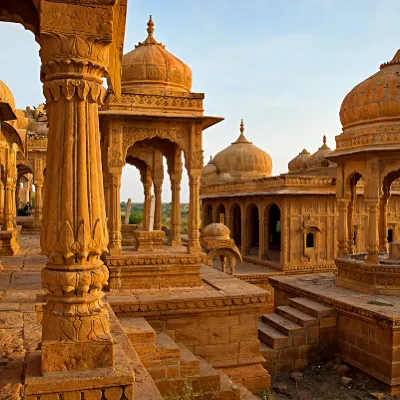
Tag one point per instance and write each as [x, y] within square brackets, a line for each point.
[156, 117]
[367, 151]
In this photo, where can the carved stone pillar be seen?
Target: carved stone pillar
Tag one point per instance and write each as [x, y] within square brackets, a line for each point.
[8, 206]
[158, 206]
[261, 241]
[75, 324]
[194, 212]
[38, 211]
[176, 211]
[350, 226]
[146, 207]
[383, 230]
[114, 211]
[373, 234]
[17, 194]
[342, 231]
[2, 194]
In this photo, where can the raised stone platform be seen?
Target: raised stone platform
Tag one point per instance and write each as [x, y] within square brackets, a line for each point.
[168, 267]
[217, 321]
[368, 324]
[381, 279]
[149, 240]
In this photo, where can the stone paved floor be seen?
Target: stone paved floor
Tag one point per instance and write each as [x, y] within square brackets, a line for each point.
[19, 331]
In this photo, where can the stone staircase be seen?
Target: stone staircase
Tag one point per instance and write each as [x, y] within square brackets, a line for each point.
[177, 371]
[297, 334]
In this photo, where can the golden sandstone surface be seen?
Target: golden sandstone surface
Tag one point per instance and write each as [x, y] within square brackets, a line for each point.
[82, 317]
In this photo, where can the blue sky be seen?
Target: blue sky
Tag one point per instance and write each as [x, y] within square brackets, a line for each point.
[284, 66]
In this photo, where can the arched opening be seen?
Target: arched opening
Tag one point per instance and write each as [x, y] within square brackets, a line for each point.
[221, 214]
[310, 240]
[356, 184]
[274, 232]
[253, 233]
[207, 215]
[236, 228]
[390, 236]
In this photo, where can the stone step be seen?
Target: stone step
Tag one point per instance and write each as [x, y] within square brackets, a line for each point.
[297, 316]
[138, 330]
[311, 307]
[166, 348]
[272, 337]
[283, 324]
[229, 390]
[208, 381]
[189, 363]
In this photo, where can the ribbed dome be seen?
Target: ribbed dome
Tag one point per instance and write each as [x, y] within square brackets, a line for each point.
[317, 160]
[149, 65]
[6, 95]
[242, 160]
[374, 99]
[216, 230]
[299, 163]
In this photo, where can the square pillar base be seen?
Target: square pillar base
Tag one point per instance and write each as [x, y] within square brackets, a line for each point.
[9, 244]
[76, 356]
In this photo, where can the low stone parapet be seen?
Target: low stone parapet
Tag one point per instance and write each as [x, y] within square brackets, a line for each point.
[149, 240]
[368, 278]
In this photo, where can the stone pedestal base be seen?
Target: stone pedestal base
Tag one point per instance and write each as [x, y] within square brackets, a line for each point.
[369, 278]
[110, 383]
[127, 233]
[149, 240]
[217, 322]
[154, 270]
[9, 244]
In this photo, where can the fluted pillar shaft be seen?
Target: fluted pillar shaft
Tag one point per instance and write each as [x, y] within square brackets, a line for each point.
[158, 206]
[114, 211]
[2, 201]
[38, 211]
[176, 211]
[373, 234]
[383, 230]
[146, 207]
[75, 325]
[343, 231]
[194, 213]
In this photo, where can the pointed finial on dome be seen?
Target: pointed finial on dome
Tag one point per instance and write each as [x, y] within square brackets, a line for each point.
[150, 30]
[241, 138]
[210, 158]
[324, 139]
[150, 26]
[324, 145]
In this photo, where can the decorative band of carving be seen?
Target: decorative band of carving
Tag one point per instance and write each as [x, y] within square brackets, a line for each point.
[182, 305]
[156, 259]
[83, 89]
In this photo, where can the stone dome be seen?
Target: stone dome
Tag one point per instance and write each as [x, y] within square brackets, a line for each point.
[6, 95]
[317, 160]
[151, 66]
[216, 230]
[242, 160]
[374, 99]
[299, 163]
[209, 169]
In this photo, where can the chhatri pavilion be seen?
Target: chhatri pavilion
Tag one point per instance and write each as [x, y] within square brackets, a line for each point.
[85, 317]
